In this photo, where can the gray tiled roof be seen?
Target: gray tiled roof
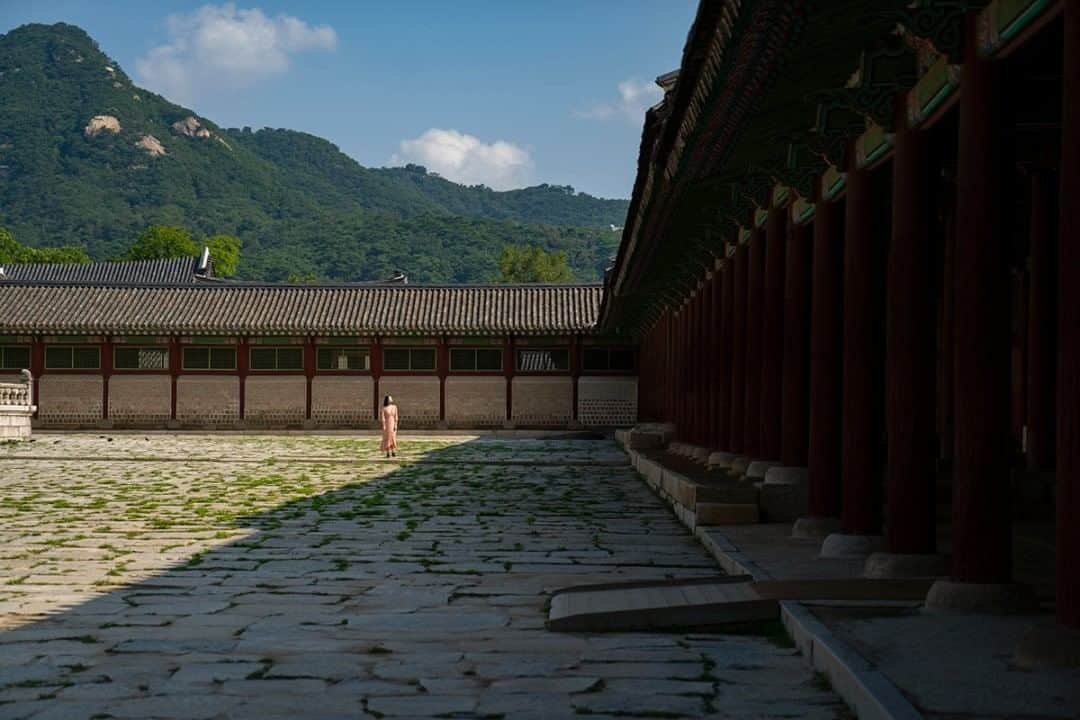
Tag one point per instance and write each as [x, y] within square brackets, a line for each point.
[208, 308]
[170, 271]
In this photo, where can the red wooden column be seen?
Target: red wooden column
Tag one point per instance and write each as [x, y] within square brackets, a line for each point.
[796, 368]
[106, 373]
[982, 532]
[176, 359]
[1042, 361]
[509, 363]
[710, 349]
[1068, 421]
[826, 371]
[376, 373]
[909, 349]
[724, 354]
[680, 379]
[442, 370]
[37, 367]
[772, 336]
[861, 511]
[737, 349]
[693, 362]
[707, 352]
[755, 281]
[309, 372]
[243, 366]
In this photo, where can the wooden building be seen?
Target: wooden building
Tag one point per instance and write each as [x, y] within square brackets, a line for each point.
[852, 255]
[164, 344]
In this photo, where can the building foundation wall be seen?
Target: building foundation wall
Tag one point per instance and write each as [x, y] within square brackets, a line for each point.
[70, 400]
[208, 401]
[476, 401]
[143, 400]
[275, 401]
[342, 400]
[607, 401]
[417, 399]
[542, 401]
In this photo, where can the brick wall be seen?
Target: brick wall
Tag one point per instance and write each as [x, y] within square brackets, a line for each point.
[275, 401]
[70, 400]
[207, 400]
[542, 401]
[342, 400]
[607, 401]
[417, 399]
[476, 401]
[140, 399]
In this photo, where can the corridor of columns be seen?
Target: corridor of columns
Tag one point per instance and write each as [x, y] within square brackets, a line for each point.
[852, 265]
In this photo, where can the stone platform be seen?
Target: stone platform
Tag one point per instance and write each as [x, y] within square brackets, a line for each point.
[284, 576]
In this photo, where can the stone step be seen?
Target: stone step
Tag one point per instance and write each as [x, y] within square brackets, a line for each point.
[704, 602]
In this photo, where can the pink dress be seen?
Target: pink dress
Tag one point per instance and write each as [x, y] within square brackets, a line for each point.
[389, 418]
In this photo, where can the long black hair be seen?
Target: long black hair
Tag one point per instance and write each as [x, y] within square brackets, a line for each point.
[386, 401]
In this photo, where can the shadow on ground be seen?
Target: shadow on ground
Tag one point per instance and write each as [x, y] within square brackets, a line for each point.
[355, 588]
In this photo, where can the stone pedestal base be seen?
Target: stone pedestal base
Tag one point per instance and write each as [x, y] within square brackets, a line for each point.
[721, 460]
[699, 454]
[884, 565]
[814, 528]
[757, 469]
[739, 464]
[1048, 645]
[950, 596]
[787, 475]
[841, 545]
[785, 493]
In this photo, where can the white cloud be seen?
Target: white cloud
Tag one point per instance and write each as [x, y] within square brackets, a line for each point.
[221, 47]
[466, 159]
[635, 97]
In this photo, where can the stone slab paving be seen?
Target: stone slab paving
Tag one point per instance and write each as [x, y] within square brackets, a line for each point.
[211, 576]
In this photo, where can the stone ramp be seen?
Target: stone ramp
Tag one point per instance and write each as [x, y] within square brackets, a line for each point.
[710, 601]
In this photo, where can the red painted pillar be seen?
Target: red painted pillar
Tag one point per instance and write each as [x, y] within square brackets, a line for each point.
[826, 361]
[106, 373]
[442, 369]
[982, 532]
[909, 349]
[175, 362]
[693, 388]
[796, 368]
[1041, 353]
[707, 358]
[755, 281]
[243, 364]
[724, 353]
[1068, 421]
[309, 371]
[712, 334]
[861, 511]
[737, 414]
[772, 336]
[509, 364]
[376, 373]
[37, 367]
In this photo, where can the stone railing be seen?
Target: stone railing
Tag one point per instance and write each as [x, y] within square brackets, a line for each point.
[14, 395]
[16, 408]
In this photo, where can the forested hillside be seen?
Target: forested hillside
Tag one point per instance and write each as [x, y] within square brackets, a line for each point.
[89, 159]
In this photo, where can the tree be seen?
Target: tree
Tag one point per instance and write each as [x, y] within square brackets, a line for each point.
[225, 250]
[12, 252]
[526, 264]
[163, 241]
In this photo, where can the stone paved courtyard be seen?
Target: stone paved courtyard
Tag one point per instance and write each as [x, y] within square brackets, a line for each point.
[263, 576]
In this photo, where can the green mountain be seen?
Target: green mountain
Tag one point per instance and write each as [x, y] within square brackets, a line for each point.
[87, 158]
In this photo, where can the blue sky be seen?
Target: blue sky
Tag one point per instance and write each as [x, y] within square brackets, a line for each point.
[507, 93]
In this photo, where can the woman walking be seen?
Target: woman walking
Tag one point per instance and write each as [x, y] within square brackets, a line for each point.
[389, 417]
